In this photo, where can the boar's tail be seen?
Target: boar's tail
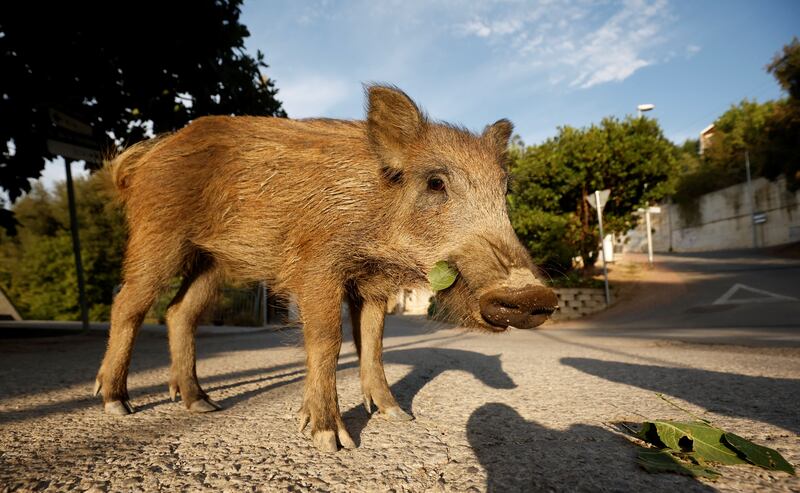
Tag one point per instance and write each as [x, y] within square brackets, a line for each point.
[123, 166]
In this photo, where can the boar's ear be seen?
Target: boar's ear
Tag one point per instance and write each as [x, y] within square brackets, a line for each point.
[393, 123]
[498, 135]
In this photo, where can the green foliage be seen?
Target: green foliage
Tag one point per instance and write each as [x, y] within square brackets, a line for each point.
[442, 276]
[117, 66]
[577, 279]
[686, 447]
[37, 269]
[547, 205]
[785, 66]
[768, 132]
[658, 461]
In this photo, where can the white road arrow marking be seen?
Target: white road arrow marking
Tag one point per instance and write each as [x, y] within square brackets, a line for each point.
[766, 296]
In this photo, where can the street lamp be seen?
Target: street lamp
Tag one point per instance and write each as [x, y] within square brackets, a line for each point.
[644, 107]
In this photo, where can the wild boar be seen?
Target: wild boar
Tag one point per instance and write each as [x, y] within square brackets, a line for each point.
[327, 210]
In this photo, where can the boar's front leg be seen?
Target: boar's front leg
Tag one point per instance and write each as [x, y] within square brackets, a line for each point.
[367, 318]
[322, 332]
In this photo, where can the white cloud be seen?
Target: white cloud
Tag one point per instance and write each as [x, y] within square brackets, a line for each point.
[313, 95]
[585, 43]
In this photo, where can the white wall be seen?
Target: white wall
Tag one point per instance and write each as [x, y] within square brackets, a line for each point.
[725, 221]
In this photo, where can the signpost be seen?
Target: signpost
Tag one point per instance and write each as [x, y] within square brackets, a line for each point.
[598, 200]
[647, 212]
[74, 140]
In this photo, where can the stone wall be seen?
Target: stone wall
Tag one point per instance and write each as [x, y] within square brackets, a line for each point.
[578, 302]
[572, 302]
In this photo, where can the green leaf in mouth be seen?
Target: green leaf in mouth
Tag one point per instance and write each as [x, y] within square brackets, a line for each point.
[442, 276]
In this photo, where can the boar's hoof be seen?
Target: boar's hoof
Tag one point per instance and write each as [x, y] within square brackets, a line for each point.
[396, 414]
[523, 308]
[118, 408]
[325, 441]
[344, 438]
[204, 405]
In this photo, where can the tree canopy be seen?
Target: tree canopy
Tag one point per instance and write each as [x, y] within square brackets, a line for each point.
[122, 67]
[767, 132]
[36, 265]
[551, 181]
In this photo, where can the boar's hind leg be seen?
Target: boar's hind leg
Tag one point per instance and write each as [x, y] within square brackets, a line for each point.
[320, 309]
[145, 278]
[367, 317]
[197, 292]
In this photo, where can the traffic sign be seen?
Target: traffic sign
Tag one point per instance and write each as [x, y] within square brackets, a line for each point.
[73, 138]
[63, 120]
[602, 195]
[72, 151]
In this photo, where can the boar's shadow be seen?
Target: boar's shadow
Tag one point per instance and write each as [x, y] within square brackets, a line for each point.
[765, 399]
[427, 364]
[520, 455]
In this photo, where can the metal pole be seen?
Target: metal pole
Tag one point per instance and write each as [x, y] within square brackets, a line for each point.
[649, 236]
[602, 244]
[264, 306]
[751, 198]
[76, 247]
[669, 217]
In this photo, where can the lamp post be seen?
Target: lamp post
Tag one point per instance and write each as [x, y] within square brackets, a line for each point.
[644, 107]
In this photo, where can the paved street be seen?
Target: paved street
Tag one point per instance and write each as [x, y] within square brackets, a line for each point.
[521, 411]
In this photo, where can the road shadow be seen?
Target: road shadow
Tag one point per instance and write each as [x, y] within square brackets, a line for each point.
[427, 363]
[521, 455]
[62, 360]
[765, 399]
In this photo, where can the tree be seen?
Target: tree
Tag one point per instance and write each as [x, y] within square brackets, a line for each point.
[548, 204]
[785, 67]
[783, 130]
[768, 132]
[36, 265]
[122, 67]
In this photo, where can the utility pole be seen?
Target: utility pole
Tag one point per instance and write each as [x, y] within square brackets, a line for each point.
[597, 201]
[649, 232]
[602, 242]
[76, 247]
[751, 198]
[73, 140]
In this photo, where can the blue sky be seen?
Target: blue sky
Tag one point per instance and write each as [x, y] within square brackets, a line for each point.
[541, 64]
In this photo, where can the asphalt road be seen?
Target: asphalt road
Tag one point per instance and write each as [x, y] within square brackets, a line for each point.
[736, 297]
[521, 411]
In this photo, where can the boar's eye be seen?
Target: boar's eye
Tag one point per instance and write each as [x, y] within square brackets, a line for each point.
[435, 184]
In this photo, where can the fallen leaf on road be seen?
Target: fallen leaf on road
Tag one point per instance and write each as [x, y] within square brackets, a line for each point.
[703, 440]
[757, 454]
[654, 460]
[685, 447]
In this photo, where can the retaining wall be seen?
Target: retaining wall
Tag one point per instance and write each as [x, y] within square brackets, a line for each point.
[578, 302]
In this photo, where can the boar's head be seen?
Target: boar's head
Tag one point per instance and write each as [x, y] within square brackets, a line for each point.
[447, 190]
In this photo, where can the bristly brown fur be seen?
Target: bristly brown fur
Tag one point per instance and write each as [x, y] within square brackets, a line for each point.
[323, 209]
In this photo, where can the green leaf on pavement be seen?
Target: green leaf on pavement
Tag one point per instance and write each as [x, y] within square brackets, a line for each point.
[442, 276]
[756, 454]
[704, 441]
[656, 461]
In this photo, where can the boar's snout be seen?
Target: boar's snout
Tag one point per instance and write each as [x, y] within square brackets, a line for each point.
[523, 308]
